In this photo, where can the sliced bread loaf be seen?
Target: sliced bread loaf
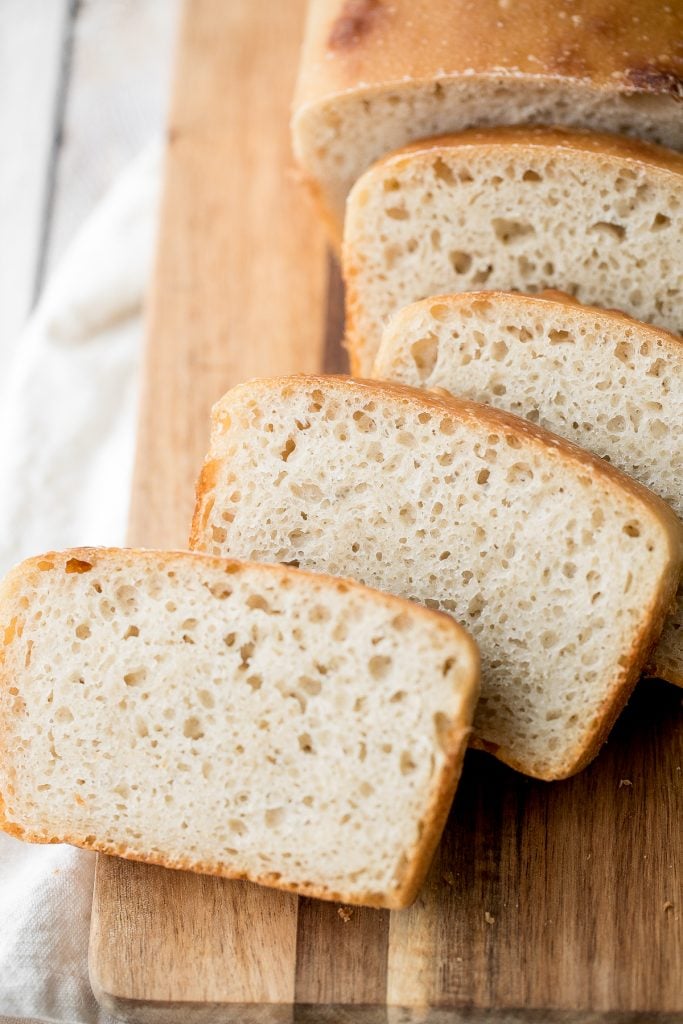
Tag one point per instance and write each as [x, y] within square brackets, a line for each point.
[562, 567]
[607, 382]
[241, 720]
[524, 209]
[375, 76]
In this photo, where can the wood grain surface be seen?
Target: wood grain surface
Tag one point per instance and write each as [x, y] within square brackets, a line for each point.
[545, 903]
[31, 53]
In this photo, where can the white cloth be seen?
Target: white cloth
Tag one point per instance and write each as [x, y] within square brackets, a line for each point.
[67, 426]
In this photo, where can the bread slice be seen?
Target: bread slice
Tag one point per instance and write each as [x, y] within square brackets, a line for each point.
[375, 76]
[560, 566]
[240, 720]
[521, 209]
[605, 381]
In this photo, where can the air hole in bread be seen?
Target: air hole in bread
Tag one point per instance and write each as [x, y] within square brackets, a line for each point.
[77, 565]
[509, 231]
[443, 172]
[481, 277]
[460, 261]
[425, 352]
[363, 422]
[608, 230]
[519, 473]
[258, 602]
[274, 817]
[289, 447]
[661, 221]
[136, 677]
[306, 743]
[379, 666]
[311, 687]
[559, 337]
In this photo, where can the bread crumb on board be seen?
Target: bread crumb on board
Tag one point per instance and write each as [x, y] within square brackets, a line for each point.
[625, 782]
[489, 918]
[346, 913]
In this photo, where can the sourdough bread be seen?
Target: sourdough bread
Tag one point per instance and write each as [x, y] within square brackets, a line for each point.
[240, 720]
[375, 76]
[596, 216]
[560, 566]
[605, 381]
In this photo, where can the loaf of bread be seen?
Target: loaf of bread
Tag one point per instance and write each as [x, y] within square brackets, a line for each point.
[596, 216]
[376, 75]
[609, 383]
[561, 567]
[240, 720]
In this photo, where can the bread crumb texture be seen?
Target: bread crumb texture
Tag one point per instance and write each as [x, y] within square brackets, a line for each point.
[609, 383]
[560, 568]
[242, 720]
[513, 213]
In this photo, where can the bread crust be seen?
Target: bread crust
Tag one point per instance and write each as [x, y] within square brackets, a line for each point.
[358, 46]
[553, 298]
[597, 144]
[577, 459]
[443, 788]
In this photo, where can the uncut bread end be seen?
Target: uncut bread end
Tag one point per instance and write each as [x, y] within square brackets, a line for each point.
[376, 76]
[247, 721]
[602, 379]
[561, 567]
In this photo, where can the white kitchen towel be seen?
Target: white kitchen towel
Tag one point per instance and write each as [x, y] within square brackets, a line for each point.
[67, 426]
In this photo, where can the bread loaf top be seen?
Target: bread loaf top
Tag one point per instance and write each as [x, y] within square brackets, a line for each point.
[632, 47]
[376, 75]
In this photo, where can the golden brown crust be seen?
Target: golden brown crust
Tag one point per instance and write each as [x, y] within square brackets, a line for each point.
[357, 46]
[577, 459]
[432, 825]
[87, 559]
[569, 140]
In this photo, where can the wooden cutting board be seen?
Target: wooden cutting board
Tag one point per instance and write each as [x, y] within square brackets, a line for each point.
[560, 902]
